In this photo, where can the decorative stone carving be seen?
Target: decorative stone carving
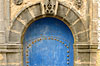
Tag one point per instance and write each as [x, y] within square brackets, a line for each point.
[78, 3]
[49, 6]
[18, 2]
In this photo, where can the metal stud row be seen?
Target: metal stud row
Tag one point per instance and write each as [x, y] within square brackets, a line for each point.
[46, 39]
[33, 42]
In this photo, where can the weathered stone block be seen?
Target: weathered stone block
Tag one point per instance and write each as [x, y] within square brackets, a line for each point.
[86, 22]
[36, 10]
[3, 59]
[82, 37]
[62, 10]
[82, 59]
[95, 25]
[25, 16]
[95, 10]
[17, 26]
[98, 58]
[14, 59]
[71, 17]
[93, 57]
[14, 37]
[94, 39]
[95, 33]
[78, 26]
[2, 39]
[2, 24]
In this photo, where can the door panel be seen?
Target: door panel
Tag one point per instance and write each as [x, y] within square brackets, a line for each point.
[48, 42]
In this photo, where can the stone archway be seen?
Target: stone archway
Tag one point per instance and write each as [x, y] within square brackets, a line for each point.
[36, 11]
[33, 12]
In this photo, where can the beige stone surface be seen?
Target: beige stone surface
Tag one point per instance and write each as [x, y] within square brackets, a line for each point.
[16, 8]
[2, 31]
[85, 55]
[14, 59]
[93, 58]
[98, 58]
[1, 57]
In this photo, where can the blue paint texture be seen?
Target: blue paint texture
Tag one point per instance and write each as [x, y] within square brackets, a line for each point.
[51, 40]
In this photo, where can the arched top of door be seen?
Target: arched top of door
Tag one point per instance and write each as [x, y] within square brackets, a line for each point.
[49, 8]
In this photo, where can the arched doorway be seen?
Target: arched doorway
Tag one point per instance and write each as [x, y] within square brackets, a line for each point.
[48, 42]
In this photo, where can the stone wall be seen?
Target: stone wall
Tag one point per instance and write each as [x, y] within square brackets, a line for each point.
[13, 21]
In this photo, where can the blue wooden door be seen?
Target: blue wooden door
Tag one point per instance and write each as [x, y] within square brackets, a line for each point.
[48, 42]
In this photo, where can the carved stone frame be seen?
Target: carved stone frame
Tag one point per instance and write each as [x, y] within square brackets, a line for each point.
[61, 11]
